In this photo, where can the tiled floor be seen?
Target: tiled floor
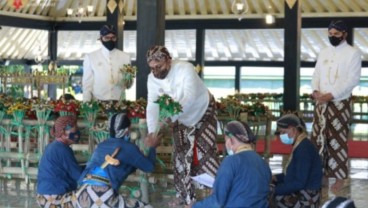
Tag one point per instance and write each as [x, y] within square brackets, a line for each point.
[356, 188]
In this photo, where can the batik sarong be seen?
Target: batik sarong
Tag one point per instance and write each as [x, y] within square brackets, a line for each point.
[104, 196]
[303, 198]
[67, 200]
[195, 152]
[330, 131]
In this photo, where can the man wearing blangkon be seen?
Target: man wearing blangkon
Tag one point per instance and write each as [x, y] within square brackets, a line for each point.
[101, 69]
[194, 129]
[336, 74]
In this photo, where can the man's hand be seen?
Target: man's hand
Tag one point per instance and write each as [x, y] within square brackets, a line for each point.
[315, 94]
[152, 141]
[324, 98]
[167, 122]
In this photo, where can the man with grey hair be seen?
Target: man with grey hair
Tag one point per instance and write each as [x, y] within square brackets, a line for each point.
[243, 178]
[299, 185]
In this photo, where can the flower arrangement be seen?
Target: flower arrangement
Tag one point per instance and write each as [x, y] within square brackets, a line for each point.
[70, 107]
[89, 110]
[111, 107]
[89, 106]
[258, 96]
[129, 72]
[18, 109]
[305, 96]
[137, 109]
[232, 106]
[258, 109]
[360, 99]
[42, 108]
[168, 107]
[18, 105]
[100, 132]
[4, 105]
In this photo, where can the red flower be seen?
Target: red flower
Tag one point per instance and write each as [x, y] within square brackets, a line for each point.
[68, 106]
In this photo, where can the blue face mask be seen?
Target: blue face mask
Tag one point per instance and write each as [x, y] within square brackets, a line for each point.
[126, 137]
[75, 136]
[286, 139]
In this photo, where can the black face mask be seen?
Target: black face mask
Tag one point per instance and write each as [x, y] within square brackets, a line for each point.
[109, 44]
[335, 41]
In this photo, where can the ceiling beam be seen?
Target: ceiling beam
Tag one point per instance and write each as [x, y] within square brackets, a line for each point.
[253, 23]
[25, 22]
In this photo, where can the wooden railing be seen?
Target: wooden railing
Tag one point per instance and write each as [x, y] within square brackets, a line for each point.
[22, 145]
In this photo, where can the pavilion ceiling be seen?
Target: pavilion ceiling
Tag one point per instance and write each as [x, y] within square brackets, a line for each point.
[231, 44]
[188, 9]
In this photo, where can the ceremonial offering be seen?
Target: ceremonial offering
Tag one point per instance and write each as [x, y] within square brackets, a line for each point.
[168, 108]
[100, 132]
[64, 107]
[43, 110]
[3, 107]
[129, 73]
[89, 111]
[137, 110]
[111, 107]
[18, 110]
[232, 106]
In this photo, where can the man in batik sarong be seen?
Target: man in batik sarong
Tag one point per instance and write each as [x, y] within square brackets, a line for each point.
[99, 182]
[58, 170]
[300, 183]
[194, 129]
[337, 73]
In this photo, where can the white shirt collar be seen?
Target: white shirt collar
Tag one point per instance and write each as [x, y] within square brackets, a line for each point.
[106, 52]
[340, 46]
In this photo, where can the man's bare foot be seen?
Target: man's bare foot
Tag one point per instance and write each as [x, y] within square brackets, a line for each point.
[339, 183]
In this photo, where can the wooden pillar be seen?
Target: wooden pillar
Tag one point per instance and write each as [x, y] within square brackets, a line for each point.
[237, 78]
[52, 52]
[200, 36]
[350, 38]
[115, 17]
[150, 31]
[292, 34]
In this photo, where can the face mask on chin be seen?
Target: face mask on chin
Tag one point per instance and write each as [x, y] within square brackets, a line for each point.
[335, 41]
[286, 139]
[109, 45]
[229, 151]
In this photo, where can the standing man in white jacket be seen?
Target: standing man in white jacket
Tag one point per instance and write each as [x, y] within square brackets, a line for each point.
[194, 129]
[337, 73]
[101, 69]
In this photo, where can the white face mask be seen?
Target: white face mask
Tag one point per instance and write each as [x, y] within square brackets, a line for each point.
[229, 151]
